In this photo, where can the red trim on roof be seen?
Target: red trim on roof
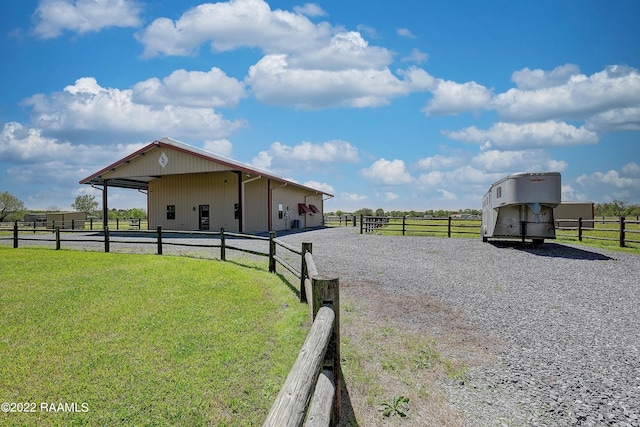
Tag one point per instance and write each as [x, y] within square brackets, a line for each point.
[185, 148]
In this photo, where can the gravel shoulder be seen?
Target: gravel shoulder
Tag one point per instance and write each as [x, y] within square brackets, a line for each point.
[548, 336]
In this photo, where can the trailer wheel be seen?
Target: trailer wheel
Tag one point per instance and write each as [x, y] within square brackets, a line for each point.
[537, 242]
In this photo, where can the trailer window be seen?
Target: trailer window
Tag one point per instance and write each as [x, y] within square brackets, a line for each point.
[499, 192]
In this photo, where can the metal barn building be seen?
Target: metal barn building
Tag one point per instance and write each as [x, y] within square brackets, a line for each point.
[192, 189]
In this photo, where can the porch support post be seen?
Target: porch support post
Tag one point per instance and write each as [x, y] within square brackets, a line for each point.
[105, 205]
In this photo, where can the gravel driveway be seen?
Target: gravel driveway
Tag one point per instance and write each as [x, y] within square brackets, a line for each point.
[567, 319]
[563, 320]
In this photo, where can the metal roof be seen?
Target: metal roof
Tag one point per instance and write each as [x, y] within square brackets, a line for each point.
[142, 182]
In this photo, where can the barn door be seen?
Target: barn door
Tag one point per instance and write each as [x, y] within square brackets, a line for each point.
[204, 217]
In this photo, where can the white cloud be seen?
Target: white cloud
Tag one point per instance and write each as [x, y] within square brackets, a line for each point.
[427, 180]
[404, 32]
[469, 175]
[322, 186]
[232, 24]
[82, 16]
[353, 197]
[310, 9]
[23, 145]
[305, 65]
[528, 135]
[580, 97]
[631, 169]
[262, 160]
[387, 172]
[439, 162]
[517, 161]
[40, 159]
[222, 147]
[613, 184]
[416, 56]
[345, 50]
[527, 79]
[452, 98]
[281, 157]
[447, 195]
[274, 81]
[88, 107]
[390, 196]
[191, 88]
[617, 119]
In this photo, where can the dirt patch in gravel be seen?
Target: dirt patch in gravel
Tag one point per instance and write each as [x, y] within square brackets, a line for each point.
[404, 346]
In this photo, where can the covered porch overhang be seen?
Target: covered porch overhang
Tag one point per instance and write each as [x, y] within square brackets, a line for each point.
[140, 183]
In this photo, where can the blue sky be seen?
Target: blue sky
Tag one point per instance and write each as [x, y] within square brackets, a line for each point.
[396, 105]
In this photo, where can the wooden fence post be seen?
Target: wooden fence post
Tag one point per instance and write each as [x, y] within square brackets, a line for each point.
[106, 238]
[622, 231]
[159, 231]
[272, 252]
[223, 247]
[15, 235]
[306, 247]
[354, 220]
[449, 227]
[91, 224]
[73, 224]
[57, 238]
[326, 291]
[361, 223]
[580, 229]
[404, 223]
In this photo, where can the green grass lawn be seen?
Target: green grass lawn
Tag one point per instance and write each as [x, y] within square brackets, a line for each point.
[143, 339]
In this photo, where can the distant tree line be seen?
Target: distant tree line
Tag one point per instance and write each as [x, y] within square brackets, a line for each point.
[616, 208]
[13, 209]
[440, 213]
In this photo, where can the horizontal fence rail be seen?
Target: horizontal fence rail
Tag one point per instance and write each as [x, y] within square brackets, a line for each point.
[416, 225]
[624, 231]
[311, 391]
[621, 230]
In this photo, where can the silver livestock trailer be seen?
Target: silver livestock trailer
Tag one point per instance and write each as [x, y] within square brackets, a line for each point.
[521, 205]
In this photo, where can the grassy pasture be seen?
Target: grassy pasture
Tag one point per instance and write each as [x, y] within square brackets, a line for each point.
[431, 227]
[604, 235]
[143, 339]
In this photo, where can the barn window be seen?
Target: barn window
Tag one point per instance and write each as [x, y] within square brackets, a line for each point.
[499, 192]
[280, 211]
[171, 211]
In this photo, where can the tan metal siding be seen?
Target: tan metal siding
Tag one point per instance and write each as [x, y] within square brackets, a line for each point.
[256, 200]
[315, 220]
[289, 197]
[187, 192]
[177, 162]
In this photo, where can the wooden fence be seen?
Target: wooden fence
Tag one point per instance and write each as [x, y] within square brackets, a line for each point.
[311, 391]
[416, 225]
[626, 231]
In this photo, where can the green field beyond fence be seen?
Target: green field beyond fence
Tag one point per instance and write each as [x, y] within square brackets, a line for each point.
[606, 232]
